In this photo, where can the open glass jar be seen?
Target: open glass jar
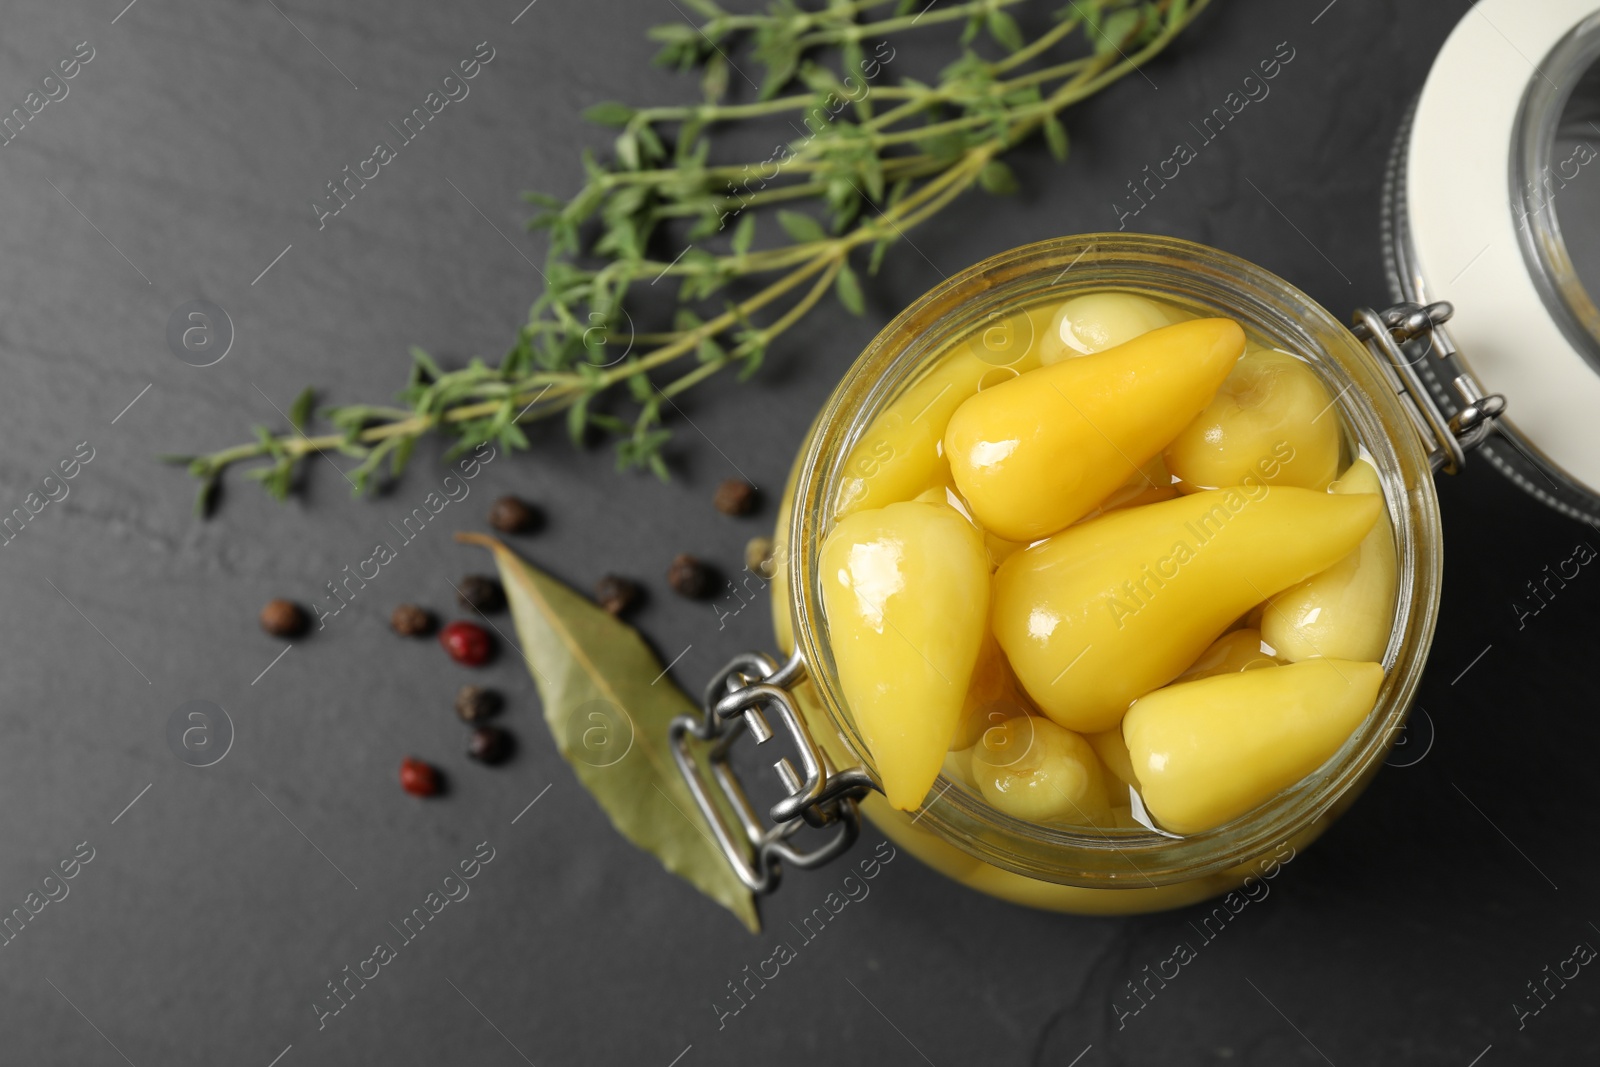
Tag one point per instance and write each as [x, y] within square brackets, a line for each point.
[1387, 413]
[1490, 195]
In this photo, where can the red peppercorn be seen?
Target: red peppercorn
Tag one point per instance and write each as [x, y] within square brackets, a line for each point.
[418, 778]
[467, 642]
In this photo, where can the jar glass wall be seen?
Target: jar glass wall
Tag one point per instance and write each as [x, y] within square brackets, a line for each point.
[1085, 869]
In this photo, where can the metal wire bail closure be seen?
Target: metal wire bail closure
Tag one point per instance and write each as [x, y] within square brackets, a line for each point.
[742, 696]
[1404, 335]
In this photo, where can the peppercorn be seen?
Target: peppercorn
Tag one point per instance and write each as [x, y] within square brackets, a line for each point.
[475, 703]
[479, 592]
[689, 577]
[408, 620]
[468, 643]
[758, 557]
[490, 745]
[616, 594]
[419, 779]
[735, 497]
[513, 515]
[284, 618]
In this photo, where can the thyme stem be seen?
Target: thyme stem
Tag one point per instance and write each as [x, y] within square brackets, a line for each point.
[559, 362]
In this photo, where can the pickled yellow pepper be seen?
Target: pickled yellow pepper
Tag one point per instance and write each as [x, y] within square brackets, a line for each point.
[1110, 609]
[1345, 611]
[906, 591]
[1210, 750]
[1035, 453]
[900, 454]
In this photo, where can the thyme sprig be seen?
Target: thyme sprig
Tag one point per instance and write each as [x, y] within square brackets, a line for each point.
[872, 159]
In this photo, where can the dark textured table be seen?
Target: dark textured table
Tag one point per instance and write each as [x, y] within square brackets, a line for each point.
[211, 906]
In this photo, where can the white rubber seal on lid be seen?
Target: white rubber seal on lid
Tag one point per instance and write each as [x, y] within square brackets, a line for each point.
[1464, 233]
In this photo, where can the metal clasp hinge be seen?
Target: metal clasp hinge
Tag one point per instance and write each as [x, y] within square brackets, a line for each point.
[740, 698]
[1403, 336]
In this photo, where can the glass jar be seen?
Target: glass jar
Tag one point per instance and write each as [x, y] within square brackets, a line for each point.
[1489, 194]
[1077, 869]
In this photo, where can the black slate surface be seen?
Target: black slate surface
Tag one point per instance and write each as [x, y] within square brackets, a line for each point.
[213, 911]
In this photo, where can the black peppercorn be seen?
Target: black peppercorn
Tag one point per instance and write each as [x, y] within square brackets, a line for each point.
[284, 618]
[513, 515]
[616, 594]
[481, 593]
[735, 497]
[689, 577]
[490, 745]
[408, 620]
[475, 703]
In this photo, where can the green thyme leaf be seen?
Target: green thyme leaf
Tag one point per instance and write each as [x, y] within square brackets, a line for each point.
[998, 178]
[610, 113]
[1004, 28]
[743, 234]
[801, 228]
[300, 410]
[849, 290]
[1055, 135]
[1115, 31]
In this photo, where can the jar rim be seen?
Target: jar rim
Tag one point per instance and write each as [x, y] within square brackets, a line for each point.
[1203, 277]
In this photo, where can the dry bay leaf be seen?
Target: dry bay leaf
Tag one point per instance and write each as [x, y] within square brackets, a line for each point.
[608, 706]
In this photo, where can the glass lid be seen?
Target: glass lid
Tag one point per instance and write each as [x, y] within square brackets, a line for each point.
[1493, 204]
